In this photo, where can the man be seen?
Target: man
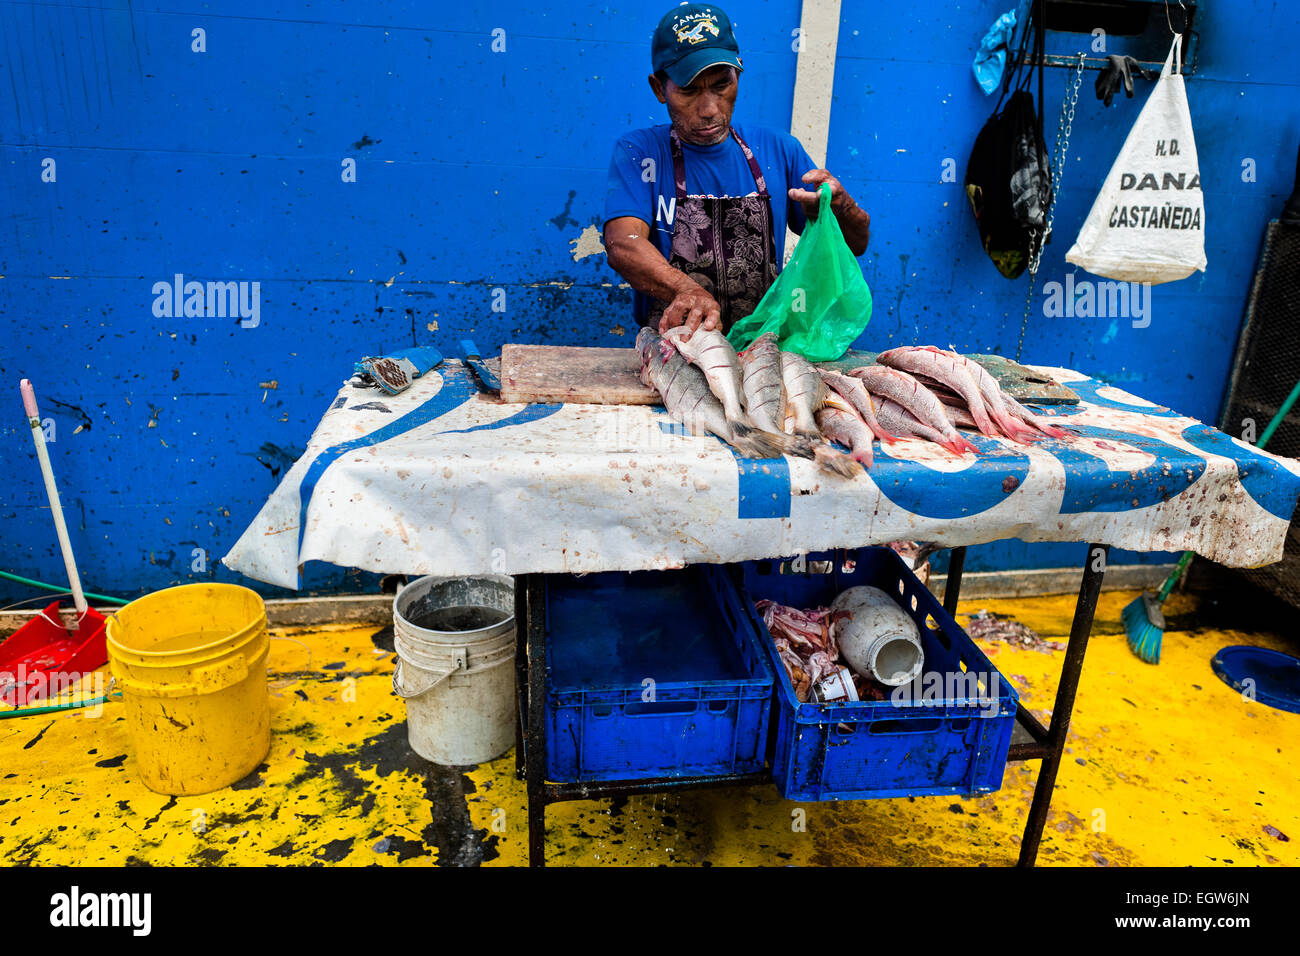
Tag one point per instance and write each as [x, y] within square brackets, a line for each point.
[719, 197]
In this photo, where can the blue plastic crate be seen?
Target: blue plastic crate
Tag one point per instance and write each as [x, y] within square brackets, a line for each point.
[923, 744]
[688, 632]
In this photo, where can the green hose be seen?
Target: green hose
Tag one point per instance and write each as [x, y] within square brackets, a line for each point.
[31, 711]
[51, 587]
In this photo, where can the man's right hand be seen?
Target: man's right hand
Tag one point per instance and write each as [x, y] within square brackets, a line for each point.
[694, 309]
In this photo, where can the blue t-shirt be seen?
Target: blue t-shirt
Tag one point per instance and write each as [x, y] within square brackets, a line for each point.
[641, 180]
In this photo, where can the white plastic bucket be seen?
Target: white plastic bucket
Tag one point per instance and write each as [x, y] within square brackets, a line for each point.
[455, 643]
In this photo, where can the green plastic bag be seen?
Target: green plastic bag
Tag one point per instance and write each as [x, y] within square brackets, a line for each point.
[819, 303]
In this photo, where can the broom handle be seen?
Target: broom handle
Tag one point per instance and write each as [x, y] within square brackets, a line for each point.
[38, 436]
[1174, 575]
[1263, 440]
[1281, 414]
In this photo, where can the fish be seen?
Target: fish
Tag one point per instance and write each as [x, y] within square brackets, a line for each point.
[902, 422]
[761, 384]
[993, 394]
[804, 391]
[1025, 415]
[941, 367]
[688, 399]
[710, 352]
[766, 405]
[839, 422]
[925, 406]
[857, 395]
[959, 416]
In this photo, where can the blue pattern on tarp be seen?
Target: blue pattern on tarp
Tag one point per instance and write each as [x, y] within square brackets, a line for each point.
[532, 413]
[981, 485]
[1171, 473]
[457, 388]
[1087, 391]
[1271, 485]
[764, 486]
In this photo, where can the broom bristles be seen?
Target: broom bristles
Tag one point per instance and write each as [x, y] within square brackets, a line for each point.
[1144, 637]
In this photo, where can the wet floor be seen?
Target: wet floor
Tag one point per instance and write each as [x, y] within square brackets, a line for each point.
[1165, 765]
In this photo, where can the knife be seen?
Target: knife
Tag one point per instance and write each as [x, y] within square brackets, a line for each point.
[475, 361]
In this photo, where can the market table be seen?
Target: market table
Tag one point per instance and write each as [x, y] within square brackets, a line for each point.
[443, 480]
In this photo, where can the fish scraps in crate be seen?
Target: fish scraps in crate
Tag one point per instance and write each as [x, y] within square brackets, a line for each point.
[988, 626]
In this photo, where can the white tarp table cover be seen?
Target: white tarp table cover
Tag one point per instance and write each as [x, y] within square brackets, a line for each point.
[440, 480]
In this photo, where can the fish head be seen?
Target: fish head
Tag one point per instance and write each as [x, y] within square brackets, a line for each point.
[645, 340]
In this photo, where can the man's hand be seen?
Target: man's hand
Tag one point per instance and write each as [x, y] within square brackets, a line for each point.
[693, 308]
[854, 222]
[809, 199]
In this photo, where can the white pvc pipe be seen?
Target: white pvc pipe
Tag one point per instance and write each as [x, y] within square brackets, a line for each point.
[38, 436]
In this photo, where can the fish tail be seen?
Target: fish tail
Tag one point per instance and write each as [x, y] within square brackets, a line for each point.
[835, 462]
[766, 444]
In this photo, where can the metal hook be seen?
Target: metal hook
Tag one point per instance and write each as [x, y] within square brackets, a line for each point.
[1171, 23]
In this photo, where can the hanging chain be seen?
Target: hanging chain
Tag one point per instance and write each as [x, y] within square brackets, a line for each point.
[1038, 238]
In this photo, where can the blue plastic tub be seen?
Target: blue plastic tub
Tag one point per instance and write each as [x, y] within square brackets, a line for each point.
[653, 674]
[948, 734]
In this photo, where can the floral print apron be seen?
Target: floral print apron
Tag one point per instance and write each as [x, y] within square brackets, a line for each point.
[724, 243]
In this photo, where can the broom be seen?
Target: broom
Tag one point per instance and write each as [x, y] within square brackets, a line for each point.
[1144, 621]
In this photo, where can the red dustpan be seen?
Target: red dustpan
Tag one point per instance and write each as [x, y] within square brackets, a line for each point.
[43, 658]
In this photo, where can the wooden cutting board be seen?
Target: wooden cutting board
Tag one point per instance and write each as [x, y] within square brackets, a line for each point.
[562, 373]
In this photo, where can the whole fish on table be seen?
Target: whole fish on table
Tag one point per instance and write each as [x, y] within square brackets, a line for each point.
[856, 394]
[688, 399]
[904, 390]
[805, 393]
[712, 354]
[993, 397]
[761, 384]
[840, 422]
[943, 368]
[902, 422]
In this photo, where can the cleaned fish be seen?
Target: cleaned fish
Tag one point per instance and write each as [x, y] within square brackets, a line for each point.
[993, 396]
[853, 391]
[1029, 418]
[710, 352]
[904, 390]
[688, 399]
[761, 384]
[959, 417]
[804, 393]
[839, 422]
[902, 422]
[943, 368]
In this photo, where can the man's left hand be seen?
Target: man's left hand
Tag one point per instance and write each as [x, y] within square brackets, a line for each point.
[808, 197]
[854, 222]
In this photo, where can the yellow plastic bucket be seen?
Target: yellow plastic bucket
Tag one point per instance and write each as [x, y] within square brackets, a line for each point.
[191, 664]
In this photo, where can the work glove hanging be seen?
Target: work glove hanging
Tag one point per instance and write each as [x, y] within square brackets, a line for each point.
[1118, 70]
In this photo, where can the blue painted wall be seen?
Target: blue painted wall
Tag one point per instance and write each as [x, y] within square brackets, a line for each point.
[477, 170]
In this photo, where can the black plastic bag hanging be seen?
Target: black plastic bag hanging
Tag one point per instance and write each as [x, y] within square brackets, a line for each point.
[1009, 175]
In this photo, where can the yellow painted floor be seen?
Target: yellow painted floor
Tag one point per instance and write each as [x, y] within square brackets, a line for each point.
[1166, 766]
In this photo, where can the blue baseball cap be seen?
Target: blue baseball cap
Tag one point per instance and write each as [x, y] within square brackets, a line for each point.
[690, 39]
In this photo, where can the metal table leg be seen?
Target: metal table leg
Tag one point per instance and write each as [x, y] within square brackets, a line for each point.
[521, 673]
[952, 585]
[1089, 589]
[532, 625]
